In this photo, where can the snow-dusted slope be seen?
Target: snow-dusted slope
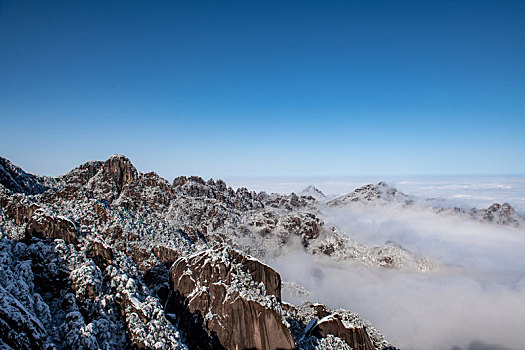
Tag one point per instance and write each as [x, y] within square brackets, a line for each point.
[313, 192]
[380, 193]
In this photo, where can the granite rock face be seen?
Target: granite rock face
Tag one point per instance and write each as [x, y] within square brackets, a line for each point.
[46, 226]
[238, 297]
[120, 169]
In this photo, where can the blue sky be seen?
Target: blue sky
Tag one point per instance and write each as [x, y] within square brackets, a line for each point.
[265, 88]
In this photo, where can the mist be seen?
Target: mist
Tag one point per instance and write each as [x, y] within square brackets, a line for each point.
[473, 299]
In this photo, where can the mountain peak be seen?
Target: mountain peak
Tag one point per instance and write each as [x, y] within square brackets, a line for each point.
[370, 193]
[120, 168]
[312, 191]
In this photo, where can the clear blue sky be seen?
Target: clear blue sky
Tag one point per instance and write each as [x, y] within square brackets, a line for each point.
[265, 88]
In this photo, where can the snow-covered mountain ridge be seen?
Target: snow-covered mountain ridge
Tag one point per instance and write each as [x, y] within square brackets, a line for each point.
[383, 194]
[107, 257]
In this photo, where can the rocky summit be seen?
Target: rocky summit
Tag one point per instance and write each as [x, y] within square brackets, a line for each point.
[105, 257]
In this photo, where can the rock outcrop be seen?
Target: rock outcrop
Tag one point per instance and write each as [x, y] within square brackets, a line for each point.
[501, 214]
[43, 225]
[288, 202]
[303, 225]
[18, 208]
[120, 169]
[238, 297]
[318, 322]
[196, 187]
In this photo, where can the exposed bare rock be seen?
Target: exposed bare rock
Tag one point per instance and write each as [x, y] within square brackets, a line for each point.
[389, 255]
[311, 322]
[19, 209]
[304, 225]
[260, 273]
[249, 325]
[100, 251]
[219, 285]
[502, 214]
[114, 174]
[165, 254]
[384, 194]
[44, 225]
[102, 273]
[195, 187]
[121, 170]
[150, 191]
[200, 217]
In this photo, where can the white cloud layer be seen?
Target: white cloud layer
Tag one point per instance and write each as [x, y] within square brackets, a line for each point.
[475, 297]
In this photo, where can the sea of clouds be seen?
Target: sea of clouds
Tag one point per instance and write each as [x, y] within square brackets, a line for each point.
[475, 297]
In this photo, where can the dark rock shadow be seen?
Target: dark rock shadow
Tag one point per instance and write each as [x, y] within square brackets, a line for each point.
[52, 282]
[192, 325]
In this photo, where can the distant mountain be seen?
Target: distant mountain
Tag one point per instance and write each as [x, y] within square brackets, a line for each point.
[372, 194]
[313, 192]
[384, 194]
[502, 214]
